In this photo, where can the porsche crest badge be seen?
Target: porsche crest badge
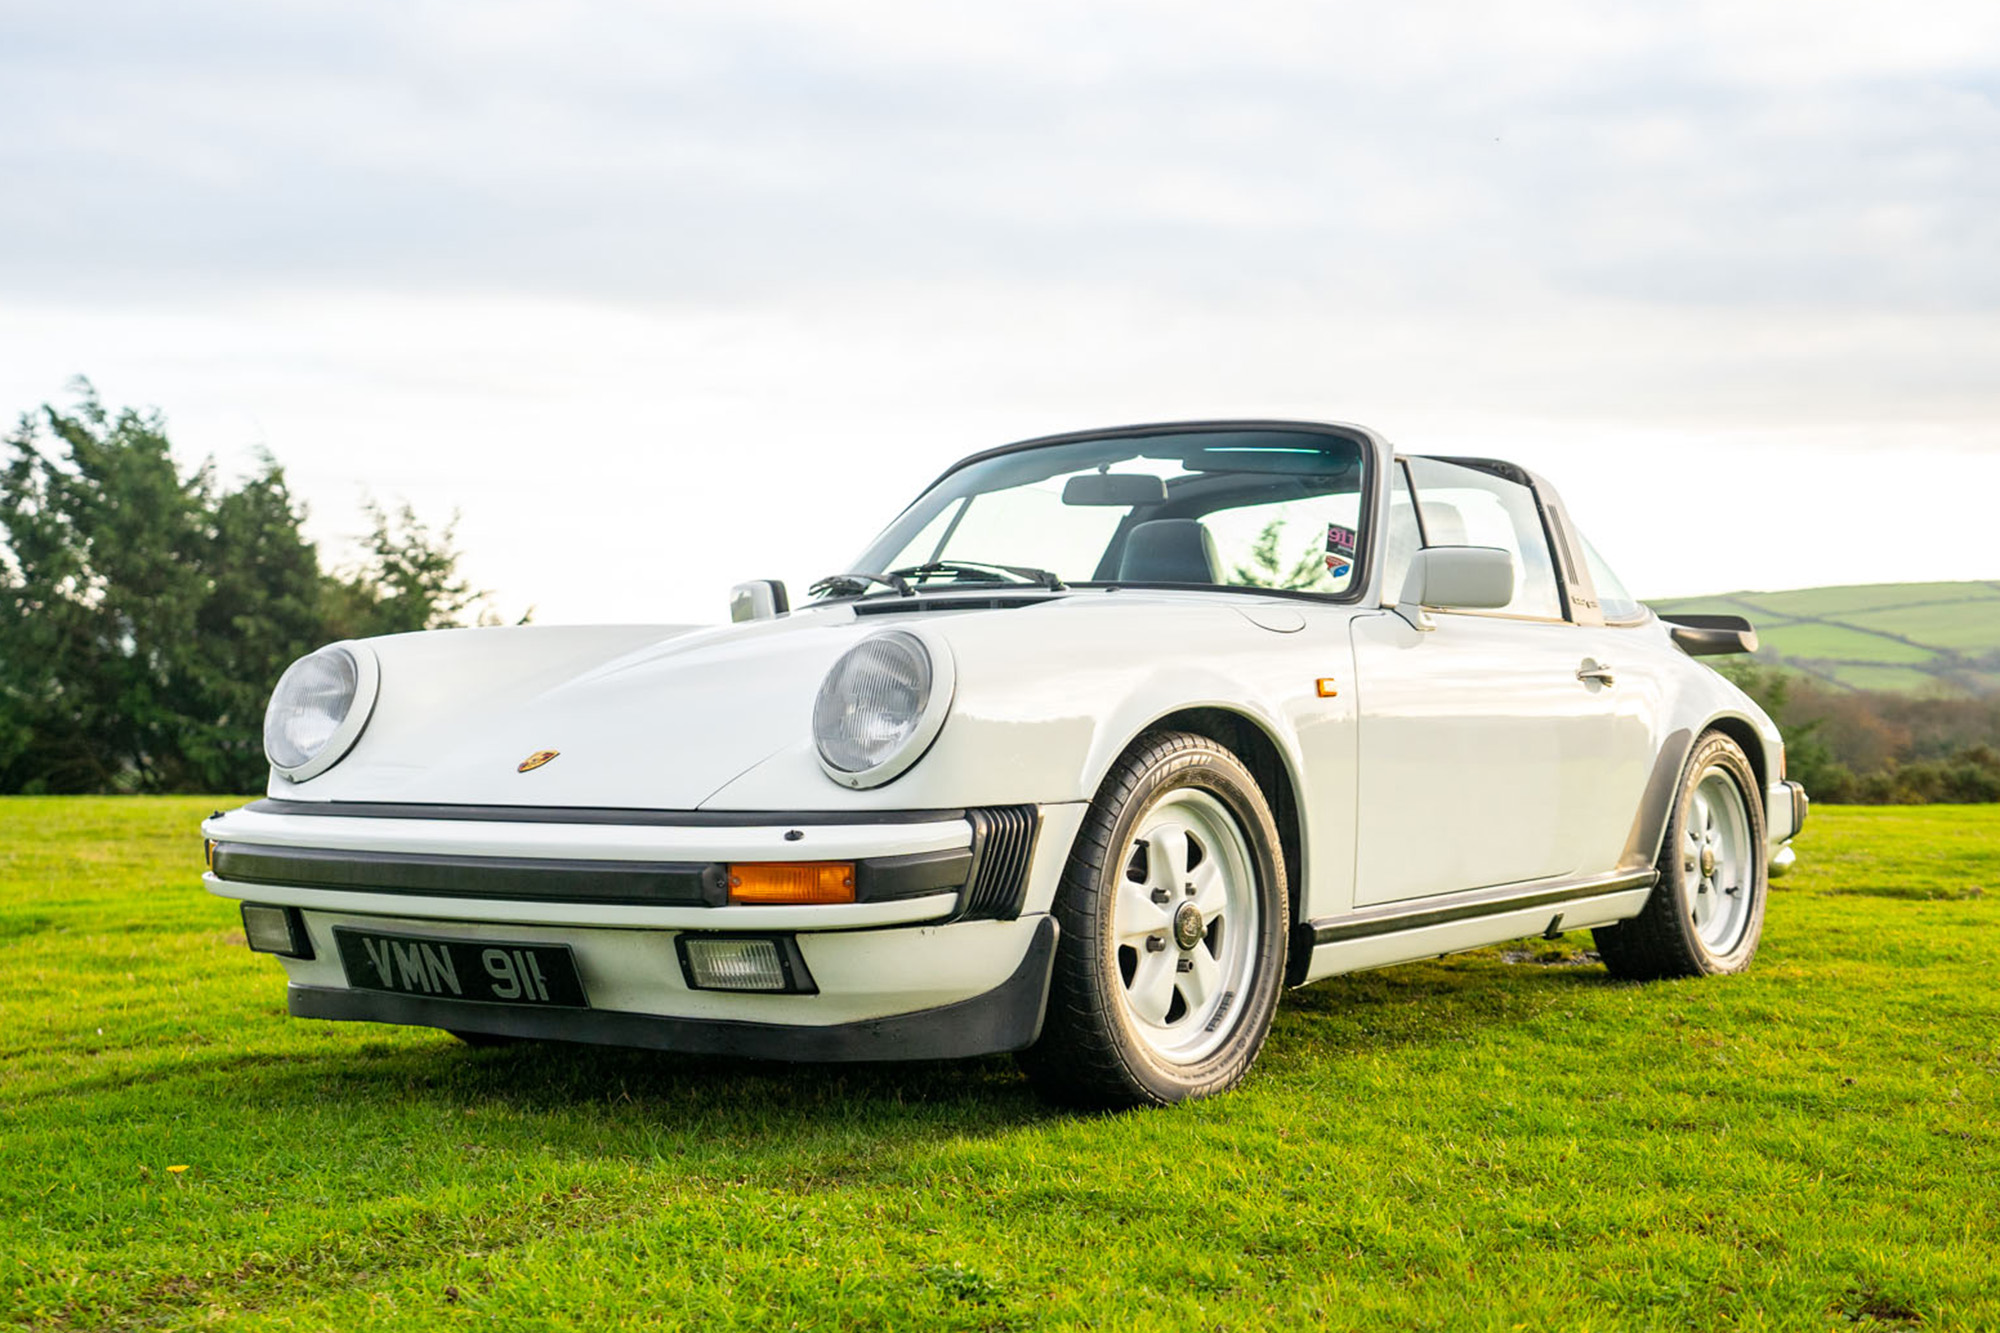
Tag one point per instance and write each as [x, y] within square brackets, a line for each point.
[536, 760]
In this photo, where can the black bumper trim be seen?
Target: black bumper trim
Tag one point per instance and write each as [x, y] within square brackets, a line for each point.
[1006, 1018]
[508, 877]
[881, 879]
[545, 879]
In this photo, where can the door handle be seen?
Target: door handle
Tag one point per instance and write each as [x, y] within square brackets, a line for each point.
[1592, 669]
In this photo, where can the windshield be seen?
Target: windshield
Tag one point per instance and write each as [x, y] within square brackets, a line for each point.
[1238, 508]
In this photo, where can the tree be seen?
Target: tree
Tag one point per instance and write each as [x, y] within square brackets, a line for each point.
[146, 614]
[1809, 759]
[1267, 567]
[407, 581]
[101, 600]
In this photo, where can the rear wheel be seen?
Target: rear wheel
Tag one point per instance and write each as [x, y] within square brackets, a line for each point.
[1706, 913]
[1174, 915]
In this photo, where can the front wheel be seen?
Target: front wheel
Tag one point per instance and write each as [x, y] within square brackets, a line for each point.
[1706, 912]
[1174, 915]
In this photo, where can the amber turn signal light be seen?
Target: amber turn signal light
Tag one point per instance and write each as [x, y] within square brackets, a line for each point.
[792, 882]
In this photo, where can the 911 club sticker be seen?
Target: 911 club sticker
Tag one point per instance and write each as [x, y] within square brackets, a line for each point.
[1340, 546]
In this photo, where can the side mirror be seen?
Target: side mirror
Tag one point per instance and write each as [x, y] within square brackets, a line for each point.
[759, 599]
[1467, 578]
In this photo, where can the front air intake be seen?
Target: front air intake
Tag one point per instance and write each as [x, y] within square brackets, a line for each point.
[1003, 843]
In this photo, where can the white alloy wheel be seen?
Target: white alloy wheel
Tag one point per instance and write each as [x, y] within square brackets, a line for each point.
[1706, 912]
[1715, 862]
[1174, 917]
[1185, 924]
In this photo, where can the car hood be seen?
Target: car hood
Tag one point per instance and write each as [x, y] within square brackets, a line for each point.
[720, 717]
[652, 717]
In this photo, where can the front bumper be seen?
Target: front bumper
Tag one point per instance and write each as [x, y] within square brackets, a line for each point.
[1006, 1018]
[945, 953]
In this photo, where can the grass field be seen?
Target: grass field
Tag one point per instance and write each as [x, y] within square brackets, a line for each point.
[1911, 637]
[1501, 1140]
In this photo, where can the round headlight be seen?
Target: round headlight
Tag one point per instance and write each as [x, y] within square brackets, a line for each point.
[880, 708]
[321, 704]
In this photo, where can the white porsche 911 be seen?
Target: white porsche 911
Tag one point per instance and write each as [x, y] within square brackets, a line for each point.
[1107, 739]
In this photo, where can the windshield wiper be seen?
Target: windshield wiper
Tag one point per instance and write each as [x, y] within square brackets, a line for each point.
[1027, 573]
[853, 585]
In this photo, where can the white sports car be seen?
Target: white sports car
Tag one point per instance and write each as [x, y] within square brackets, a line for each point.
[1107, 739]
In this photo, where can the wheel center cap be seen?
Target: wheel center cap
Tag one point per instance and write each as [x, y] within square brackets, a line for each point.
[1188, 926]
[1708, 863]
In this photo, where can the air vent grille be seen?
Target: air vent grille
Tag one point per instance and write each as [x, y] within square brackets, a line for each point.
[1003, 843]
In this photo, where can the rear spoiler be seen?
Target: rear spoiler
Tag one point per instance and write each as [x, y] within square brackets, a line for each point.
[1712, 636]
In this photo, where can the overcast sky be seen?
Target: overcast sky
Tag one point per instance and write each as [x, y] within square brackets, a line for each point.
[663, 296]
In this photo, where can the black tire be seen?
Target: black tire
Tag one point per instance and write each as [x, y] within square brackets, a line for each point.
[1090, 1052]
[1663, 940]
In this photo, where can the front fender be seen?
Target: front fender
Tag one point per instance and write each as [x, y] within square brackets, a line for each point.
[1048, 697]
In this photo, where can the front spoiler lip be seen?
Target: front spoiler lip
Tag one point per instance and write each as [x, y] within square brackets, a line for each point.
[1006, 1018]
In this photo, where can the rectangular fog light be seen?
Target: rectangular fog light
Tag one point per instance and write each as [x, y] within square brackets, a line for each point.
[743, 963]
[278, 930]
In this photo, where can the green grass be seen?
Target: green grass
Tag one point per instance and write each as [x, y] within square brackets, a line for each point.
[1849, 601]
[1823, 642]
[1886, 679]
[1968, 627]
[1904, 637]
[1500, 1140]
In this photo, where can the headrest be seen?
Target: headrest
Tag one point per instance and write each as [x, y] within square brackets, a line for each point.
[1169, 550]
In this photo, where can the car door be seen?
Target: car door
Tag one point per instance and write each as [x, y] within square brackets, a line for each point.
[1476, 738]
[1628, 681]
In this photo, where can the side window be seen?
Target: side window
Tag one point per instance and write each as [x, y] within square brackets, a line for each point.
[1401, 539]
[1612, 599]
[1463, 506]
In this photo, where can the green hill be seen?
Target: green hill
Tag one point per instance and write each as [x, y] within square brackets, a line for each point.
[1908, 637]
